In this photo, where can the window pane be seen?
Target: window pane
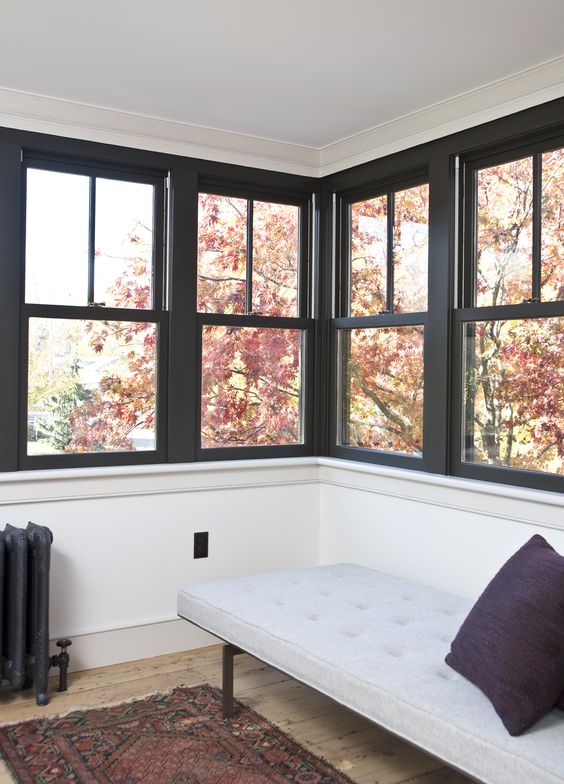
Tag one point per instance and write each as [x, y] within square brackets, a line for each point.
[56, 242]
[552, 271]
[504, 233]
[514, 394]
[369, 237]
[411, 243]
[275, 259]
[123, 244]
[251, 386]
[222, 242]
[382, 389]
[91, 386]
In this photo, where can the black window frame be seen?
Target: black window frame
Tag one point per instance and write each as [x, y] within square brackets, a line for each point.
[92, 311]
[510, 136]
[302, 321]
[343, 321]
[178, 376]
[466, 311]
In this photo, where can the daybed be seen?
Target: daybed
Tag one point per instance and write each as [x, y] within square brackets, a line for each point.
[376, 644]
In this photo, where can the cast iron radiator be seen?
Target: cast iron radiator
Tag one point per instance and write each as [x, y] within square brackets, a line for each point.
[25, 557]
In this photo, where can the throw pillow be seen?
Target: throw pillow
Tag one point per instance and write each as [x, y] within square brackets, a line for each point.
[511, 645]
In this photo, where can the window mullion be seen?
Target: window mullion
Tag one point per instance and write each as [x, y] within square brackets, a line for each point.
[390, 255]
[11, 214]
[91, 240]
[470, 232]
[537, 216]
[249, 265]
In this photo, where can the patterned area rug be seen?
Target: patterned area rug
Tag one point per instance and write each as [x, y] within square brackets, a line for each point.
[174, 738]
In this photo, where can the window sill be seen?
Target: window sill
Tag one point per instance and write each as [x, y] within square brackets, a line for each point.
[110, 481]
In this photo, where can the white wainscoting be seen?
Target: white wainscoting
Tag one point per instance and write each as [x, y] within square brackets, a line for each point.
[123, 537]
[123, 543]
[450, 533]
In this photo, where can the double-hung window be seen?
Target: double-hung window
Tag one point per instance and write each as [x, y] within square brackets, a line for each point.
[380, 328]
[93, 320]
[254, 334]
[509, 369]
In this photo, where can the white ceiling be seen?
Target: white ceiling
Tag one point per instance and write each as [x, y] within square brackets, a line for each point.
[308, 73]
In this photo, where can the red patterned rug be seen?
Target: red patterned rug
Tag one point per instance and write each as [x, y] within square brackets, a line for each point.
[175, 738]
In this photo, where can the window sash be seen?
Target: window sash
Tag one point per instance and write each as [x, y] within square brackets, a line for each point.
[343, 238]
[67, 460]
[156, 180]
[469, 213]
[483, 471]
[305, 237]
[307, 327]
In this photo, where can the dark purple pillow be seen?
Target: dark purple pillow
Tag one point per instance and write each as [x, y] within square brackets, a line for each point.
[511, 645]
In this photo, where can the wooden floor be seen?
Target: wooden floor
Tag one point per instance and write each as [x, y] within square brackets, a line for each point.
[368, 754]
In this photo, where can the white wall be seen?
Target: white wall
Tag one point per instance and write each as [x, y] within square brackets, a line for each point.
[450, 533]
[123, 543]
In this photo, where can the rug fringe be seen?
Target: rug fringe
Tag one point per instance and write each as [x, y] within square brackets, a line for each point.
[39, 716]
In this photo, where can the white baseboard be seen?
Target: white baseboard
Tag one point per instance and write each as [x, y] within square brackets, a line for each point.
[98, 649]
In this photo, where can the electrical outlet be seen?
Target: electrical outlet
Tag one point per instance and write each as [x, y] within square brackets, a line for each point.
[201, 544]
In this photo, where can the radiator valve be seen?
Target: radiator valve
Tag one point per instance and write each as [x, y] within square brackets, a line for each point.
[61, 660]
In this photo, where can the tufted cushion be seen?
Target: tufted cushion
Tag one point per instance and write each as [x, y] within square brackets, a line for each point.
[377, 644]
[512, 643]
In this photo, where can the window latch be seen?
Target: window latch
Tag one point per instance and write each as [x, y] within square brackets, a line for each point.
[531, 299]
[96, 304]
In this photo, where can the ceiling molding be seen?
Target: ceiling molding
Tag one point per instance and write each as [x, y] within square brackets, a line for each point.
[43, 114]
[514, 93]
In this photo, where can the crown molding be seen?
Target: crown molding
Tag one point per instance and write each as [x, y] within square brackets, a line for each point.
[522, 90]
[43, 114]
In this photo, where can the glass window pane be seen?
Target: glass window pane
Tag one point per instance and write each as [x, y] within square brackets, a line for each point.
[275, 258]
[369, 248]
[382, 389]
[251, 386]
[552, 220]
[123, 260]
[91, 386]
[56, 242]
[222, 261]
[514, 394]
[504, 249]
[411, 249]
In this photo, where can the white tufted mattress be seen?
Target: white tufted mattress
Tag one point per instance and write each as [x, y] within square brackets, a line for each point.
[376, 644]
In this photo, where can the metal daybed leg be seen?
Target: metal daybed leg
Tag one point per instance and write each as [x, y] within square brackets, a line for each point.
[229, 652]
[227, 680]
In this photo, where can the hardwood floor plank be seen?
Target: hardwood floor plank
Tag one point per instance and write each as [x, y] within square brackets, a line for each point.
[441, 776]
[367, 753]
